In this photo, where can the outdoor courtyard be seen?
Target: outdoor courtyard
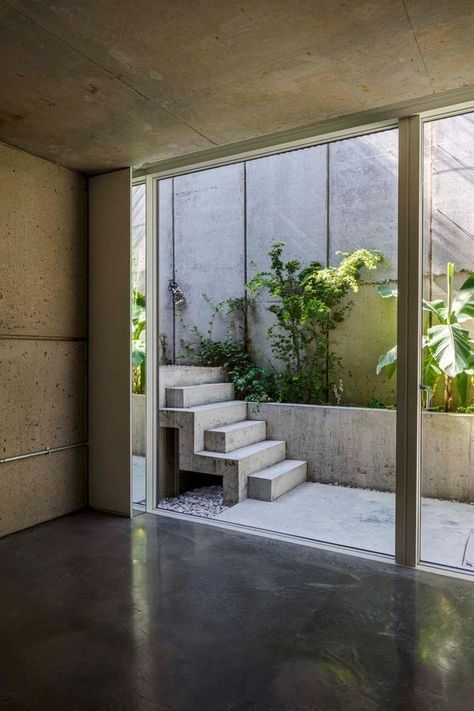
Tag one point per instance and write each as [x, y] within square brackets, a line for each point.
[357, 518]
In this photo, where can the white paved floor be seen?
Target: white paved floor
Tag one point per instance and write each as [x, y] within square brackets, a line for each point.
[362, 519]
[139, 480]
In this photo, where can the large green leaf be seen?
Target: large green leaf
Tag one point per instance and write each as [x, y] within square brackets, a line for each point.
[388, 361]
[451, 348]
[138, 308]
[463, 302]
[138, 353]
[138, 298]
[431, 370]
[137, 329]
[437, 308]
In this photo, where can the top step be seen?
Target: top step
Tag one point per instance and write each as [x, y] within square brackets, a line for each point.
[193, 395]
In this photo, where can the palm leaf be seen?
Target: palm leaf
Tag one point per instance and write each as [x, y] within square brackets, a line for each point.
[437, 308]
[463, 302]
[138, 353]
[431, 371]
[451, 348]
[388, 361]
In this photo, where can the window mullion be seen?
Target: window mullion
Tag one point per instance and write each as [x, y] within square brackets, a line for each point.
[409, 341]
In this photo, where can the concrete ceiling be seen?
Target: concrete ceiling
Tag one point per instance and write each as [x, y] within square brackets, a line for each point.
[100, 84]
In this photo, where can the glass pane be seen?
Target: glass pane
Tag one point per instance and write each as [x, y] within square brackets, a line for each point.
[447, 514]
[138, 345]
[276, 276]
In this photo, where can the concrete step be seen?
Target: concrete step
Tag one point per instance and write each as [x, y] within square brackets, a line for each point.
[234, 436]
[229, 411]
[192, 395]
[268, 484]
[252, 458]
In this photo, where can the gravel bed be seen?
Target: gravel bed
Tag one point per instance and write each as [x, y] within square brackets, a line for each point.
[206, 501]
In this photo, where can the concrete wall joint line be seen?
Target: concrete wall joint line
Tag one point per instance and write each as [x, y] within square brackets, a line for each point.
[27, 337]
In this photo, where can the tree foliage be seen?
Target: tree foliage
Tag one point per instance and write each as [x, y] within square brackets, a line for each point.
[309, 302]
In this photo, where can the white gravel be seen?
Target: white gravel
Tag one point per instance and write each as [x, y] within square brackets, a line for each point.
[206, 501]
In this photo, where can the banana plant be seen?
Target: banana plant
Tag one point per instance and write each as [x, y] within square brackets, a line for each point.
[447, 346]
[138, 343]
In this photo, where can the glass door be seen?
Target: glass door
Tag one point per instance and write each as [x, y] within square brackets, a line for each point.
[278, 327]
[387, 438]
[138, 335]
[447, 473]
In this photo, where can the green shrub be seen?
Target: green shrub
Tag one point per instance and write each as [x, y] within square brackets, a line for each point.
[310, 303]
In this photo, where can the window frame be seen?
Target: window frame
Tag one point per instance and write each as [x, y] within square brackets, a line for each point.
[409, 120]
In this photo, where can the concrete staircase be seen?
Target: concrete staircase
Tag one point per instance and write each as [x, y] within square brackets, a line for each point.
[216, 437]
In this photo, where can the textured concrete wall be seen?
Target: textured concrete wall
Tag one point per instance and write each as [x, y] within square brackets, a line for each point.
[166, 268]
[209, 246]
[43, 338]
[357, 446]
[449, 194]
[286, 198]
[320, 201]
[138, 221]
[217, 226]
[363, 202]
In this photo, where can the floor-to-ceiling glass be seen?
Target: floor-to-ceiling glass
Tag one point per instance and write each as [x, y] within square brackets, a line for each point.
[277, 340]
[447, 485]
[138, 336]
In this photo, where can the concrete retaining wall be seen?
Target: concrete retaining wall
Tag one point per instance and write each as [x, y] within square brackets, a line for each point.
[355, 446]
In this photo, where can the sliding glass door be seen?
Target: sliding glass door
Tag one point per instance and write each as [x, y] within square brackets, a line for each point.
[364, 389]
[277, 333]
[447, 484]
[138, 334]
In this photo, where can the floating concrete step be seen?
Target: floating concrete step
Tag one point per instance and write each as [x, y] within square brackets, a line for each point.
[268, 484]
[229, 412]
[234, 436]
[250, 459]
[192, 395]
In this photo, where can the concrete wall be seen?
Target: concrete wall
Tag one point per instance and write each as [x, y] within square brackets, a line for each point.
[209, 249]
[110, 367]
[43, 339]
[170, 443]
[449, 194]
[138, 220]
[356, 446]
[319, 201]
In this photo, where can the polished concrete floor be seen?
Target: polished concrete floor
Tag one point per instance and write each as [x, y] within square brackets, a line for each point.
[99, 612]
[363, 519]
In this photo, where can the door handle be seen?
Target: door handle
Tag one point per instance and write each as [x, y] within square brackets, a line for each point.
[428, 395]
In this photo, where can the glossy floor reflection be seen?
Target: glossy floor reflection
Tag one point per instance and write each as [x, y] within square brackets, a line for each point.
[101, 612]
